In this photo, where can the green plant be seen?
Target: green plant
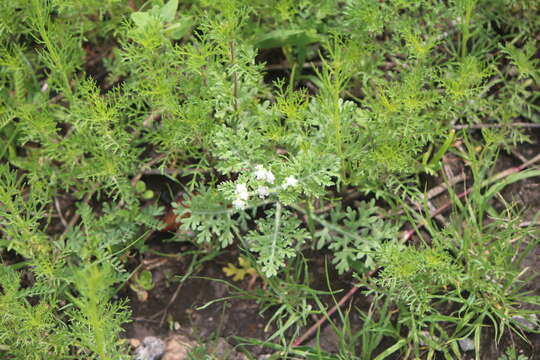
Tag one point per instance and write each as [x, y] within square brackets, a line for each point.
[365, 98]
[511, 354]
[466, 273]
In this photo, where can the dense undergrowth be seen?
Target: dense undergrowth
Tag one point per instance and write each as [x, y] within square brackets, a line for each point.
[328, 148]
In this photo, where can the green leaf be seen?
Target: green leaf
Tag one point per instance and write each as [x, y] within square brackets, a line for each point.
[168, 11]
[145, 281]
[180, 28]
[392, 349]
[148, 194]
[141, 19]
[140, 186]
[275, 239]
[497, 187]
[280, 37]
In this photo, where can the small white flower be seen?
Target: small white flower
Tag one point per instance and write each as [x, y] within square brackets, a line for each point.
[243, 196]
[290, 181]
[242, 191]
[241, 188]
[239, 204]
[260, 172]
[263, 191]
[270, 177]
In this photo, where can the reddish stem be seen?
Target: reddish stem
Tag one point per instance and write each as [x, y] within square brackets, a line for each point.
[326, 316]
[409, 233]
[319, 322]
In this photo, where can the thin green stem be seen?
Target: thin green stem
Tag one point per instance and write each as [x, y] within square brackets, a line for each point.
[466, 27]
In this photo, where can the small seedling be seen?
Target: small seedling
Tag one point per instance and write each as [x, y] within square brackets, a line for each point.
[141, 284]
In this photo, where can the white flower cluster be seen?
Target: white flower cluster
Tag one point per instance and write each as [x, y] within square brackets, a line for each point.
[290, 181]
[242, 193]
[262, 174]
[263, 191]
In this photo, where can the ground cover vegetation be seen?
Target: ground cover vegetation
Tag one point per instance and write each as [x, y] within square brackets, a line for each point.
[293, 129]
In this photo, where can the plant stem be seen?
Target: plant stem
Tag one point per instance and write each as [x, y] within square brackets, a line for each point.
[467, 21]
[309, 217]
[319, 322]
[234, 77]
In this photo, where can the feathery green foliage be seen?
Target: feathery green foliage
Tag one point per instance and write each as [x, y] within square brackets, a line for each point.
[365, 99]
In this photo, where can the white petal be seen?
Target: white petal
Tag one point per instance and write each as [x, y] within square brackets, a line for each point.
[270, 177]
[241, 188]
[263, 191]
[260, 172]
[243, 195]
[239, 204]
[290, 181]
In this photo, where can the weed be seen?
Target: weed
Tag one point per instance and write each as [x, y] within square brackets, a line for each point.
[367, 97]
